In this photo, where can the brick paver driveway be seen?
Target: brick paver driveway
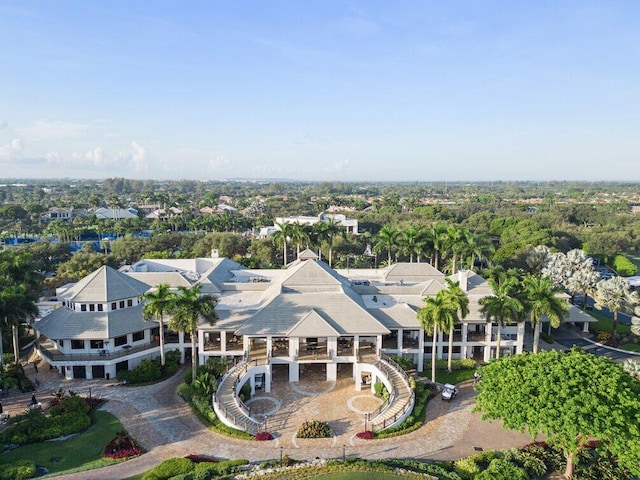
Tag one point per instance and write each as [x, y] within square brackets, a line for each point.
[164, 424]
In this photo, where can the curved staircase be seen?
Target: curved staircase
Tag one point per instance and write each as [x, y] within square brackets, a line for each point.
[401, 398]
[228, 406]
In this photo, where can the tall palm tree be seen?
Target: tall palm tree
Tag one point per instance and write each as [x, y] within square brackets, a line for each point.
[187, 309]
[615, 294]
[333, 229]
[412, 242]
[387, 239]
[459, 302]
[16, 305]
[437, 313]
[299, 236]
[438, 238]
[503, 306]
[540, 299]
[282, 236]
[159, 301]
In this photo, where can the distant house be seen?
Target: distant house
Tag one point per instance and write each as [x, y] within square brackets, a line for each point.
[116, 213]
[162, 214]
[59, 213]
[349, 224]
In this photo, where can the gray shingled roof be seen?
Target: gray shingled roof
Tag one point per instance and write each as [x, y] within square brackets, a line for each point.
[312, 274]
[287, 309]
[412, 272]
[313, 325]
[153, 279]
[65, 323]
[105, 285]
[400, 315]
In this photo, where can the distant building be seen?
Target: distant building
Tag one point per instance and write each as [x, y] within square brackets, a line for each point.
[116, 213]
[350, 224]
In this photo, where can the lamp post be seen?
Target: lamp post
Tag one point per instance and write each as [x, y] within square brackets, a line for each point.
[344, 453]
[366, 417]
[281, 455]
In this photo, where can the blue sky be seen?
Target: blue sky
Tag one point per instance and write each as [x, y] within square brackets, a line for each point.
[321, 90]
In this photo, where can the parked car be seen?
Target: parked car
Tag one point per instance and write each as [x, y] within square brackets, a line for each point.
[449, 392]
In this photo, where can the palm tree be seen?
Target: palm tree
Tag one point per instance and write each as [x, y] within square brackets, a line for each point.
[615, 294]
[503, 306]
[332, 230]
[541, 299]
[187, 309]
[412, 242]
[459, 302]
[388, 239]
[282, 236]
[298, 236]
[159, 301]
[438, 238]
[16, 305]
[437, 312]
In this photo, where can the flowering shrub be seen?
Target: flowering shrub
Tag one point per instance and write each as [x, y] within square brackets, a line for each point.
[122, 447]
[199, 458]
[366, 435]
[262, 436]
[314, 429]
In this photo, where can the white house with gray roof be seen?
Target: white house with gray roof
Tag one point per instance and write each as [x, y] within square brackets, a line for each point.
[307, 314]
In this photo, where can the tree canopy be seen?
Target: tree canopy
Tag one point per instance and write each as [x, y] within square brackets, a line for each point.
[569, 397]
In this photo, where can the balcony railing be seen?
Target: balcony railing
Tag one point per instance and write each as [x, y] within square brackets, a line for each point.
[47, 350]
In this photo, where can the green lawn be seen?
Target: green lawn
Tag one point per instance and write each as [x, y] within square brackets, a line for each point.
[359, 476]
[605, 324]
[631, 347]
[81, 452]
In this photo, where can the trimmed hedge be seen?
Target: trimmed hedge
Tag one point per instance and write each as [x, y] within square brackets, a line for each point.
[20, 470]
[170, 468]
[456, 364]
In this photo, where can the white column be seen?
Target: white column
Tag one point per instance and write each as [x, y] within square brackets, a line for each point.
[294, 372]
[332, 346]
[585, 327]
[520, 337]
[439, 345]
[332, 372]
[465, 334]
[267, 380]
[421, 351]
[223, 341]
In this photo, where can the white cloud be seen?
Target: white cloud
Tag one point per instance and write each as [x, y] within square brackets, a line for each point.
[339, 166]
[139, 157]
[45, 130]
[219, 162]
[3, 124]
[12, 150]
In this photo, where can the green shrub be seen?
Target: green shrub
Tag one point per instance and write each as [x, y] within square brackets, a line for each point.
[466, 468]
[406, 363]
[70, 405]
[184, 391]
[547, 338]
[456, 364]
[245, 392]
[381, 390]
[624, 266]
[20, 470]
[314, 429]
[188, 377]
[170, 468]
[502, 470]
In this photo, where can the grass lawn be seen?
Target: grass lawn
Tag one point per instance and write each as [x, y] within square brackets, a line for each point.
[81, 452]
[605, 324]
[359, 476]
[457, 376]
[631, 347]
[634, 257]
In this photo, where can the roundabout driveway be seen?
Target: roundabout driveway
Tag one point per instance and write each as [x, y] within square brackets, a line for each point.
[165, 426]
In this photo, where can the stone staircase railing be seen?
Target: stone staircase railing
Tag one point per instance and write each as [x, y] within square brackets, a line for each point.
[228, 406]
[401, 397]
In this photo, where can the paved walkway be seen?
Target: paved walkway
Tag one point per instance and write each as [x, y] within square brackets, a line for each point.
[165, 426]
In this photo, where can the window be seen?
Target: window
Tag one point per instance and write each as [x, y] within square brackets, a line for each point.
[77, 344]
[129, 303]
[137, 336]
[113, 305]
[121, 303]
[118, 341]
[61, 343]
[97, 344]
[100, 306]
[92, 308]
[83, 308]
